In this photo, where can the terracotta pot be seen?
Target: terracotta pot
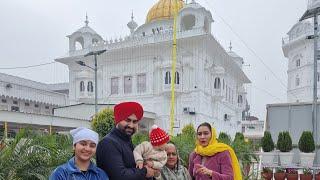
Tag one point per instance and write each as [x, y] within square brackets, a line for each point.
[305, 176]
[317, 176]
[292, 176]
[280, 176]
[267, 175]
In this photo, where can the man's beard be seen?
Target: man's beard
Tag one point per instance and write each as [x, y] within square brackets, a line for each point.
[127, 130]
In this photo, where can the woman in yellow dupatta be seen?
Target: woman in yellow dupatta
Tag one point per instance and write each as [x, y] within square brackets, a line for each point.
[213, 160]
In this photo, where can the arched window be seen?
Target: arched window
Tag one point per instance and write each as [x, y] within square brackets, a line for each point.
[240, 100]
[217, 84]
[297, 80]
[298, 63]
[223, 84]
[188, 22]
[177, 78]
[90, 86]
[82, 86]
[167, 78]
[95, 41]
[79, 43]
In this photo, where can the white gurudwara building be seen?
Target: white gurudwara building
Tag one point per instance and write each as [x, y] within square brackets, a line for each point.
[300, 54]
[209, 83]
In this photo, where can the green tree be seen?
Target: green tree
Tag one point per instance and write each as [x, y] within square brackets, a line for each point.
[139, 137]
[284, 143]
[306, 142]
[103, 122]
[244, 151]
[33, 156]
[224, 138]
[239, 136]
[185, 143]
[189, 130]
[267, 142]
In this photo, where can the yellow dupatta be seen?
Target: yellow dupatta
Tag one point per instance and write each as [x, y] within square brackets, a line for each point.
[215, 147]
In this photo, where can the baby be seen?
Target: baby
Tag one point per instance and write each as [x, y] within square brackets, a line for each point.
[152, 153]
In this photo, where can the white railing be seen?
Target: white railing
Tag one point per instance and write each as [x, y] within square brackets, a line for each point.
[131, 41]
[33, 94]
[291, 38]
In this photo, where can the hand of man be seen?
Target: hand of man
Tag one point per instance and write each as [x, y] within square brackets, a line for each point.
[149, 163]
[139, 164]
[156, 172]
[150, 172]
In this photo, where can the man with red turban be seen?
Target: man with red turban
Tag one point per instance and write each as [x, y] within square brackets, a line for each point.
[115, 150]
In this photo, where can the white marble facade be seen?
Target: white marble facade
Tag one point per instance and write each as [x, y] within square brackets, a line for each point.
[210, 82]
[27, 96]
[299, 51]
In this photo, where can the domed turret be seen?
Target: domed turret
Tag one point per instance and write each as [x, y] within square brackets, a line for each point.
[132, 25]
[235, 56]
[164, 9]
[84, 36]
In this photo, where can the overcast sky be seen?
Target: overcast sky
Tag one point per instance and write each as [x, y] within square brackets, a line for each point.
[34, 32]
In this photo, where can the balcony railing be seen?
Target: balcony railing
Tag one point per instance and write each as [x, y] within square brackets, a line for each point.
[291, 38]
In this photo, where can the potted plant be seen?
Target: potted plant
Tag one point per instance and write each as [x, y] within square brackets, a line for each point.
[280, 174]
[267, 173]
[307, 175]
[267, 147]
[284, 144]
[307, 147]
[292, 174]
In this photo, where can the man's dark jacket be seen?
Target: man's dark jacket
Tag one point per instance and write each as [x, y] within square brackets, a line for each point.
[115, 157]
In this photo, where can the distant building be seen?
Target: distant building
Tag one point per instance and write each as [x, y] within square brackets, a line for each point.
[300, 54]
[25, 103]
[252, 128]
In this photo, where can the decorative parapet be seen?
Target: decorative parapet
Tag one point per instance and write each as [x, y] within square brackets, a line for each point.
[289, 39]
[131, 41]
[299, 31]
[33, 94]
[313, 4]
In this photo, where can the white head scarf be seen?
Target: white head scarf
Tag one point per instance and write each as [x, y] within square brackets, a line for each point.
[82, 133]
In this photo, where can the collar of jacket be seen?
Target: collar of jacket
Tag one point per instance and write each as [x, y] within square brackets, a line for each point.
[72, 168]
[121, 134]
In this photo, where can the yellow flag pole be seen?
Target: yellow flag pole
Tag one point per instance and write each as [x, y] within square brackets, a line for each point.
[50, 129]
[173, 70]
[5, 129]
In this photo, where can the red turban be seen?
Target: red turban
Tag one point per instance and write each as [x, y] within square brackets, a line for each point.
[123, 110]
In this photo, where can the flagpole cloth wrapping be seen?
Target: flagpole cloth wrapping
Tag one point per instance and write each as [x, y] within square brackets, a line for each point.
[173, 71]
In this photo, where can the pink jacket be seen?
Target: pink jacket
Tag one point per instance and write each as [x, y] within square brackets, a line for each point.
[220, 164]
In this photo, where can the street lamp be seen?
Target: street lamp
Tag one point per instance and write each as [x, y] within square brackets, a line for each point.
[81, 63]
[314, 12]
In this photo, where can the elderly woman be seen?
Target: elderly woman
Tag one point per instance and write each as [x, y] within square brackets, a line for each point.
[173, 170]
[212, 160]
[80, 166]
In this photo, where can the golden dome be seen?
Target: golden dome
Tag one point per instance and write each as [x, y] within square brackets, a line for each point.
[164, 9]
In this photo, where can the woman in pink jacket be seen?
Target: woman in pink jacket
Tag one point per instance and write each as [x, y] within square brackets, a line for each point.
[212, 160]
